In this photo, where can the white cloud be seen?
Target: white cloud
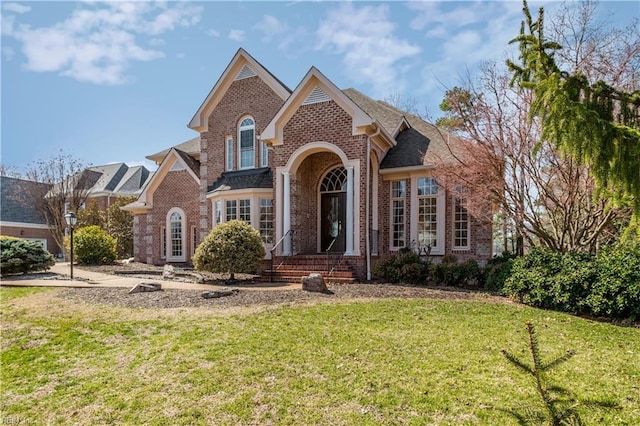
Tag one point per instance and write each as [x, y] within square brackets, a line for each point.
[98, 41]
[15, 7]
[282, 34]
[213, 33]
[157, 42]
[466, 34]
[365, 37]
[236, 35]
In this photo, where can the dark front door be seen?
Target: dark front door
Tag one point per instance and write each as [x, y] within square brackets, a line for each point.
[332, 221]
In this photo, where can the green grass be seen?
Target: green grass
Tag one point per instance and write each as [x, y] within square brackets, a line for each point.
[376, 363]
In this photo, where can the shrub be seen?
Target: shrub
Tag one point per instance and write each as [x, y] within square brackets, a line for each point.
[451, 273]
[552, 280]
[616, 293]
[231, 247]
[404, 267]
[21, 256]
[93, 246]
[497, 271]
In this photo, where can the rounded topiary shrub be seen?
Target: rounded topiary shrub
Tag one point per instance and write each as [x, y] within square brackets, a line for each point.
[231, 247]
[21, 256]
[93, 246]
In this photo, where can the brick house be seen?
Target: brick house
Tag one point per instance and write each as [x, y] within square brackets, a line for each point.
[311, 169]
[19, 217]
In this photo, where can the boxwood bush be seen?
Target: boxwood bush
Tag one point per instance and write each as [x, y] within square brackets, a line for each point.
[449, 272]
[497, 271]
[22, 256]
[231, 247]
[607, 284]
[405, 267]
[93, 246]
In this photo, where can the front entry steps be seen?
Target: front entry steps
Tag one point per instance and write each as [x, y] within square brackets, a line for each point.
[291, 269]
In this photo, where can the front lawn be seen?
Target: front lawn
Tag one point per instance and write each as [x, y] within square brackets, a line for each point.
[382, 362]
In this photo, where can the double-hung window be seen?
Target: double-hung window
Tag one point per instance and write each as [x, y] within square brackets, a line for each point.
[232, 211]
[245, 211]
[461, 224]
[246, 140]
[398, 199]
[266, 220]
[427, 212]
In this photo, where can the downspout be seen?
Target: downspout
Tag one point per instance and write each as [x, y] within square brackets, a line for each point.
[367, 202]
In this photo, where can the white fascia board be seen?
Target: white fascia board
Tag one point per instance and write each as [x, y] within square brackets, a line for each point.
[273, 132]
[158, 176]
[24, 225]
[239, 192]
[200, 121]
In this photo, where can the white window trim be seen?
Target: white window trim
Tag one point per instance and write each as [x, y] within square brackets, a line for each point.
[439, 248]
[194, 241]
[264, 154]
[183, 217]
[392, 199]
[229, 153]
[453, 227]
[240, 129]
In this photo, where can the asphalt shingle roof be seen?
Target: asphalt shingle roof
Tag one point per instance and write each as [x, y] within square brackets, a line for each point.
[409, 151]
[193, 164]
[191, 147]
[16, 202]
[243, 179]
[439, 144]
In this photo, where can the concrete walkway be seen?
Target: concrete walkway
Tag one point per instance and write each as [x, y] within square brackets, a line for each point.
[88, 279]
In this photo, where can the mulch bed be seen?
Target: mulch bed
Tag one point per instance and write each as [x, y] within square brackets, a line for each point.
[192, 298]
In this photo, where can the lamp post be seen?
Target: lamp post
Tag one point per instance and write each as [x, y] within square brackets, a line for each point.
[71, 220]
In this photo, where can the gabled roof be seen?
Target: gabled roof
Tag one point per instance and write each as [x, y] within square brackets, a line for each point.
[242, 65]
[440, 146]
[174, 160]
[243, 179]
[409, 151]
[191, 147]
[189, 161]
[314, 86]
[16, 205]
[134, 180]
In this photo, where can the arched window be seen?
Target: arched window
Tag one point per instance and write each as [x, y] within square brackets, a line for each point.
[247, 143]
[175, 235]
[335, 181]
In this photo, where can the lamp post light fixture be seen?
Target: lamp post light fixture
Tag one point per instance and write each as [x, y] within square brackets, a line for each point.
[71, 220]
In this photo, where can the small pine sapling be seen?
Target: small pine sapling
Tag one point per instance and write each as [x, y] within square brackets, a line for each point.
[560, 405]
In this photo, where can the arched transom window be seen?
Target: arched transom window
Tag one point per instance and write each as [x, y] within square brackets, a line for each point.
[335, 181]
[246, 142]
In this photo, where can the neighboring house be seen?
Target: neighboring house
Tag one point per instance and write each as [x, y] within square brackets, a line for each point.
[310, 169]
[19, 217]
[104, 183]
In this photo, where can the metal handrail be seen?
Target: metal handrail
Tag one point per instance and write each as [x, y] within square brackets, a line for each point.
[328, 251]
[273, 249]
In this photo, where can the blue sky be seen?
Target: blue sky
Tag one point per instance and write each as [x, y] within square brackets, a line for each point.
[110, 82]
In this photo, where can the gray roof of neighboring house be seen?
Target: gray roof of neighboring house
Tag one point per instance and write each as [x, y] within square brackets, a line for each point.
[242, 179]
[191, 147]
[118, 179]
[438, 148]
[16, 202]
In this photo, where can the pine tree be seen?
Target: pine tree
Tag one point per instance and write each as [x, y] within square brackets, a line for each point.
[593, 122]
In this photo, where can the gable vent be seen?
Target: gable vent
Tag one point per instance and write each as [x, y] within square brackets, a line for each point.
[245, 72]
[317, 95]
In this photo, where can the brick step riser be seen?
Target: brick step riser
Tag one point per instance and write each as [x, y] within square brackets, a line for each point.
[313, 267]
[306, 272]
[296, 279]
